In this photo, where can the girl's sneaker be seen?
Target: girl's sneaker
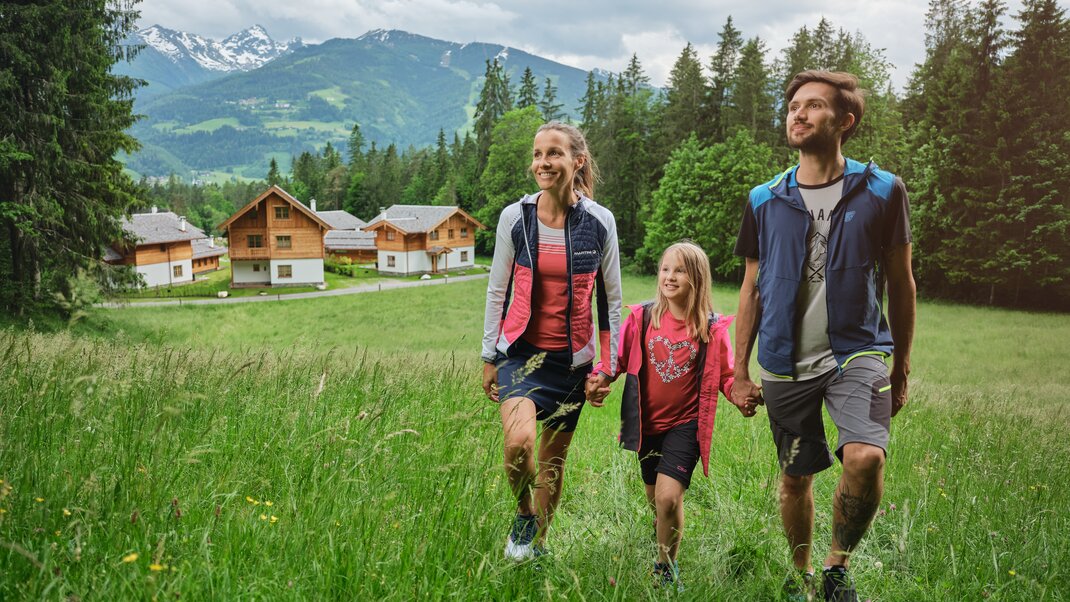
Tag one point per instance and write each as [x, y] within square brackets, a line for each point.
[521, 535]
[799, 587]
[667, 575]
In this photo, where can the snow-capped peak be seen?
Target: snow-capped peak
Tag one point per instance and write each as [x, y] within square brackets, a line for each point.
[244, 51]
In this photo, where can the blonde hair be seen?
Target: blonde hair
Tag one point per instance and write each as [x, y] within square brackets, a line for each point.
[699, 303]
[587, 175]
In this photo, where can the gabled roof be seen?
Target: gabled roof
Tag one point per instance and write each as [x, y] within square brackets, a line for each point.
[202, 249]
[349, 240]
[413, 219]
[286, 196]
[159, 227]
[342, 220]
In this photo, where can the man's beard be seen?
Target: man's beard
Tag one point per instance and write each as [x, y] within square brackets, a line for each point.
[818, 142]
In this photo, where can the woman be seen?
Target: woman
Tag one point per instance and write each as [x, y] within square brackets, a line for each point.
[553, 250]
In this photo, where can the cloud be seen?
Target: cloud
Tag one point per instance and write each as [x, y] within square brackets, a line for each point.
[594, 33]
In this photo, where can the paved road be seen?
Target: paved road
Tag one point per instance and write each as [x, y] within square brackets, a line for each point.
[367, 288]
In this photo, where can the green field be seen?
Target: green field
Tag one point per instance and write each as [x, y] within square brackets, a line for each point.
[140, 450]
[210, 125]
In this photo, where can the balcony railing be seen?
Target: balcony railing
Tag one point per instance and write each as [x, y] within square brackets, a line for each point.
[257, 253]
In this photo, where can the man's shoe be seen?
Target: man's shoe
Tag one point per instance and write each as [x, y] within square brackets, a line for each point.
[521, 536]
[799, 587]
[838, 585]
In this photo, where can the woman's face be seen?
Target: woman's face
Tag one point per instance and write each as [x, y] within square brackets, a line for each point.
[552, 163]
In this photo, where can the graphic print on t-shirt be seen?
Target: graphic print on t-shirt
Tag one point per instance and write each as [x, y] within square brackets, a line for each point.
[676, 359]
[817, 244]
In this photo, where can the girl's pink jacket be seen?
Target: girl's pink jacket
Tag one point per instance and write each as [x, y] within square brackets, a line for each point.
[718, 372]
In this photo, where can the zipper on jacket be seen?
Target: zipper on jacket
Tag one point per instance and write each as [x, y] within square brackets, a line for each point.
[832, 222]
[568, 306]
[527, 247]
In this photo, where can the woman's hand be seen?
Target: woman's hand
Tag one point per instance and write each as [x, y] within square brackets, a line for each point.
[490, 381]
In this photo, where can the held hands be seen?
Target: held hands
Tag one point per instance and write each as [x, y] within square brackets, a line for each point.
[747, 396]
[596, 389]
[490, 381]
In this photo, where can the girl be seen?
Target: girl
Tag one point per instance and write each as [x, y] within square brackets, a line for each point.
[553, 249]
[677, 354]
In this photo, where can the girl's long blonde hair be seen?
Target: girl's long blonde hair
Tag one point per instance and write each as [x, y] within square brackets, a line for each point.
[587, 175]
[699, 302]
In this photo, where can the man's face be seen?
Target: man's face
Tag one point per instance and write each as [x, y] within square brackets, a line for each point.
[812, 123]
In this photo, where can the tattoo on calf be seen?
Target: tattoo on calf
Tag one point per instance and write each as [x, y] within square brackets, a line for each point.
[856, 512]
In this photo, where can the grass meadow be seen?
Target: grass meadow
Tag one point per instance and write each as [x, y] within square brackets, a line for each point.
[340, 448]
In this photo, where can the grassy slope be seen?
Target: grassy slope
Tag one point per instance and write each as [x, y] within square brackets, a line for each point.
[381, 458]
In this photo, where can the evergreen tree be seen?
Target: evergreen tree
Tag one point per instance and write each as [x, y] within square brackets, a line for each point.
[63, 118]
[273, 176]
[592, 102]
[494, 101]
[751, 103]
[356, 146]
[722, 69]
[548, 105]
[528, 96]
[684, 98]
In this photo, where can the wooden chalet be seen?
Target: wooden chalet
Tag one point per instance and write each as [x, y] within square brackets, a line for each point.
[424, 239]
[275, 240]
[206, 255]
[346, 239]
[162, 247]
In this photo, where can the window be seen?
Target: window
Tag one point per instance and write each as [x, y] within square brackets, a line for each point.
[390, 235]
[283, 242]
[177, 271]
[256, 241]
[464, 232]
[163, 248]
[450, 235]
[286, 271]
[433, 235]
[256, 267]
[282, 212]
[464, 255]
[390, 261]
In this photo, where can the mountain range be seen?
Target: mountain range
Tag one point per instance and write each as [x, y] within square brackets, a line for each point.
[230, 107]
[171, 59]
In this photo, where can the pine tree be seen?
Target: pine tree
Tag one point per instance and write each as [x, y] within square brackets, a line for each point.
[528, 94]
[63, 118]
[548, 105]
[273, 176]
[592, 102]
[723, 66]
[684, 98]
[494, 101]
[751, 104]
[507, 176]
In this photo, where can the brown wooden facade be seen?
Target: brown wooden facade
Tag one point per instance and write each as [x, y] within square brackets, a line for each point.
[205, 264]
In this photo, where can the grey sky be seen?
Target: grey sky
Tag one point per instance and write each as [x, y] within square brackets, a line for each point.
[595, 33]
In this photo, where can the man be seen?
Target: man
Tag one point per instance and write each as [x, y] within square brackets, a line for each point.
[820, 241]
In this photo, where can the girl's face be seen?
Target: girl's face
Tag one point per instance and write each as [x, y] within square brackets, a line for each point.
[673, 282]
[551, 161]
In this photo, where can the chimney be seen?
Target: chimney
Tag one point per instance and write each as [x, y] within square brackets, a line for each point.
[155, 209]
[211, 242]
[312, 205]
[182, 223]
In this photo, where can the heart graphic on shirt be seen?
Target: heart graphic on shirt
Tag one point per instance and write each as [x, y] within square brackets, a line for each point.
[668, 369]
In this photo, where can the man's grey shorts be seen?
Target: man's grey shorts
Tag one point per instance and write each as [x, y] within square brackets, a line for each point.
[858, 399]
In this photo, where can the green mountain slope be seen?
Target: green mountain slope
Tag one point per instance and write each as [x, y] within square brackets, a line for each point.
[399, 87]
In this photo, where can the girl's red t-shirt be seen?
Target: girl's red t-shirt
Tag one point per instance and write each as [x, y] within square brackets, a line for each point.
[668, 382]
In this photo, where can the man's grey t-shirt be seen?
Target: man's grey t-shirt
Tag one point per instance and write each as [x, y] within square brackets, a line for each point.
[813, 352]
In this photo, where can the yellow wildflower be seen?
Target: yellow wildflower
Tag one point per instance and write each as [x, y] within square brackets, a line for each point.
[268, 503]
[252, 501]
[274, 519]
[66, 512]
[38, 499]
[130, 557]
[157, 567]
[1011, 573]
[57, 533]
[263, 517]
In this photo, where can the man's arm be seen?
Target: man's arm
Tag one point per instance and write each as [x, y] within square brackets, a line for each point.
[902, 308]
[744, 390]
